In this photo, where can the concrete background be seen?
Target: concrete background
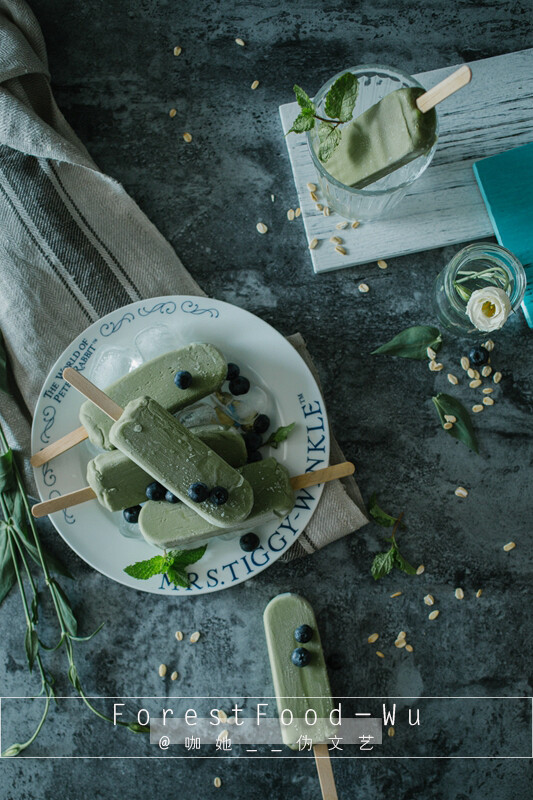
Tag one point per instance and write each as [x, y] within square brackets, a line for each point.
[115, 78]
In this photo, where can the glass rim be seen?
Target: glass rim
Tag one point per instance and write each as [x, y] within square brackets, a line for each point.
[361, 69]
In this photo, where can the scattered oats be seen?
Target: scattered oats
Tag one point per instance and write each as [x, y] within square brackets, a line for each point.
[474, 384]
[217, 782]
[179, 636]
[399, 643]
[420, 569]
[319, 207]
[314, 196]
[396, 594]
[509, 546]
[336, 239]
[298, 212]
[431, 365]
[489, 345]
[313, 243]
[194, 637]
[174, 676]
[429, 600]
[373, 638]
[390, 731]
[479, 592]
[409, 648]
[327, 211]
[459, 593]
[272, 197]
[488, 390]
[162, 670]
[433, 614]
[355, 224]
[172, 113]
[476, 374]
[254, 85]
[380, 654]
[437, 367]
[450, 418]
[431, 353]
[461, 492]
[240, 42]
[471, 372]
[382, 264]
[223, 717]
[187, 137]
[486, 371]
[453, 379]
[401, 635]
[223, 734]
[488, 401]
[177, 51]
[448, 426]
[363, 287]
[261, 227]
[341, 226]
[290, 214]
[465, 363]
[497, 377]
[340, 250]
[311, 187]
[477, 408]
[232, 720]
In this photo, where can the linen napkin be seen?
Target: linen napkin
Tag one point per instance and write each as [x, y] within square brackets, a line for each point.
[74, 246]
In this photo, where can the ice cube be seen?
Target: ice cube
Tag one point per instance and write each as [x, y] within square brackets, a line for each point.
[130, 530]
[245, 408]
[112, 364]
[198, 414]
[155, 341]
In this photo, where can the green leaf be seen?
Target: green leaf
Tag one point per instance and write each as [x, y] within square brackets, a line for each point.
[90, 636]
[185, 557]
[304, 101]
[282, 433]
[340, 100]
[380, 516]
[463, 429]
[62, 600]
[302, 123]
[7, 568]
[18, 513]
[31, 643]
[412, 342]
[178, 577]
[136, 727]
[4, 385]
[73, 677]
[329, 138]
[382, 564]
[401, 563]
[6, 471]
[142, 570]
[14, 750]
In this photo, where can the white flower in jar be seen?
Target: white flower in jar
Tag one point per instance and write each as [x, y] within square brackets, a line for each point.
[488, 308]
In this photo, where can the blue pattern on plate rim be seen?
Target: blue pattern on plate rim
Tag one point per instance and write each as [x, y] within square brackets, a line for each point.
[69, 518]
[108, 328]
[168, 307]
[188, 307]
[49, 417]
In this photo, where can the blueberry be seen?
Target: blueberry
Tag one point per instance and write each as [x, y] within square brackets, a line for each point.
[183, 379]
[132, 514]
[261, 423]
[249, 542]
[239, 385]
[233, 371]
[154, 491]
[218, 496]
[300, 657]
[171, 498]
[303, 633]
[478, 356]
[252, 440]
[254, 455]
[198, 492]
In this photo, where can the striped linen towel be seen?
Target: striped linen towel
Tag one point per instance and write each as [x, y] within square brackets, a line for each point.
[75, 246]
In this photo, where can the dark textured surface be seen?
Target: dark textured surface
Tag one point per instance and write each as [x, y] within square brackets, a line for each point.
[115, 78]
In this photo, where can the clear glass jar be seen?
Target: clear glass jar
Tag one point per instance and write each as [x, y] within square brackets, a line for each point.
[468, 269]
[377, 199]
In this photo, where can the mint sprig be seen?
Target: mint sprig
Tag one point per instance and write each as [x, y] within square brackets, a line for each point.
[172, 565]
[385, 562]
[278, 436]
[339, 105]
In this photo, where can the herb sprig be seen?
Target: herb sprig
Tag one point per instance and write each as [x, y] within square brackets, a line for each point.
[385, 562]
[172, 564]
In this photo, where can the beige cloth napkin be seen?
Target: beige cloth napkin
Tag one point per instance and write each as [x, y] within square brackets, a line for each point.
[74, 246]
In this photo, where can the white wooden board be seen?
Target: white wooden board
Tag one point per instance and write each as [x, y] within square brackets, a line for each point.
[492, 114]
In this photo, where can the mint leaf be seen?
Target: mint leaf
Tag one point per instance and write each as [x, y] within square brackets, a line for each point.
[282, 433]
[178, 577]
[401, 563]
[142, 570]
[412, 342]
[340, 100]
[380, 516]
[303, 122]
[304, 101]
[184, 557]
[382, 564]
[329, 137]
[462, 429]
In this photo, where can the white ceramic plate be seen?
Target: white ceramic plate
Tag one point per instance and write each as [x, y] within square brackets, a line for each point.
[122, 340]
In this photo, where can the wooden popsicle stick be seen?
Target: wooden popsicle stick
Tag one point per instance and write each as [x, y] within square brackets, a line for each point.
[323, 475]
[444, 89]
[63, 501]
[60, 446]
[93, 393]
[325, 772]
